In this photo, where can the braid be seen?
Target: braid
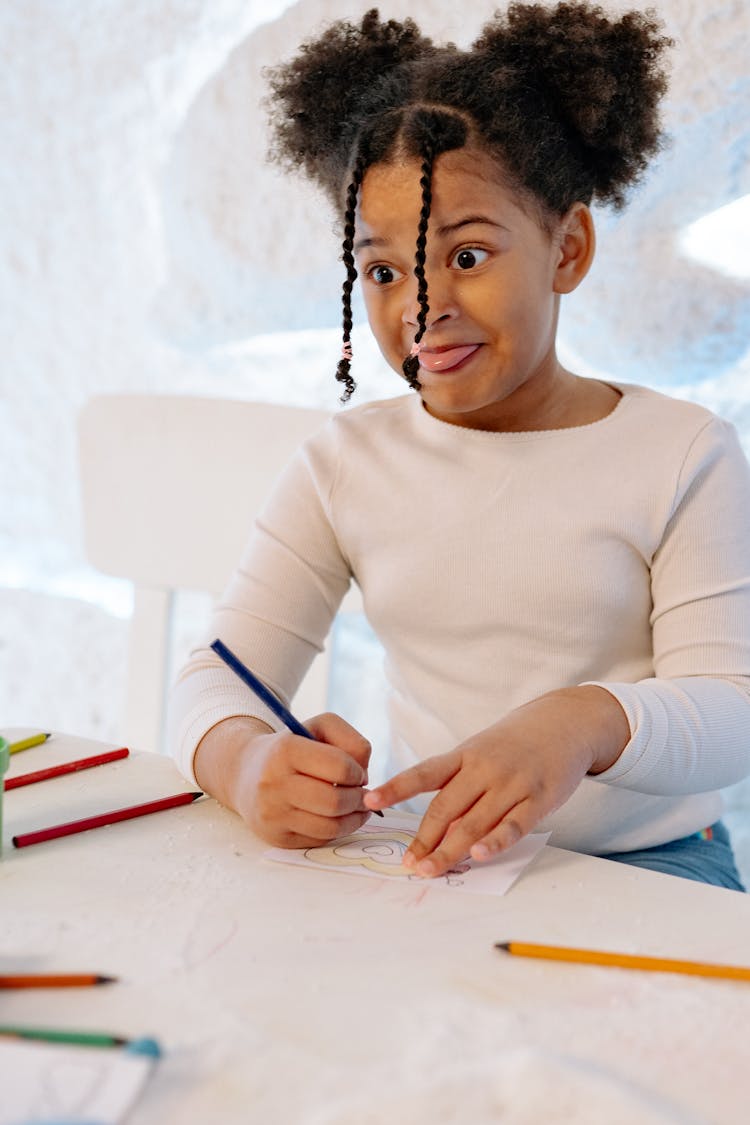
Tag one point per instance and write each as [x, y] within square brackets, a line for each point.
[343, 371]
[410, 365]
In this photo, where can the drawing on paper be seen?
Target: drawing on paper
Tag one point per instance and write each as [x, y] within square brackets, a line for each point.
[379, 849]
[376, 851]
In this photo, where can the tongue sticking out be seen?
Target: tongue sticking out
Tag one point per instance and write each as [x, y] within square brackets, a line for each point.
[445, 360]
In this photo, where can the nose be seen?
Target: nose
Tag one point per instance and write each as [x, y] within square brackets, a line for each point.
[441, 304]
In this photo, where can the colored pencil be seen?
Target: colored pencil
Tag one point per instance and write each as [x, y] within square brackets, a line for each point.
[27, 743]
[53, 980]
[143, 1046]
[75, 1038]
[624, 960]
[265, 696]
[103, 819]
[66, 767]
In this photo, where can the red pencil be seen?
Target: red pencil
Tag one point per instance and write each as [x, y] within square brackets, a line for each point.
[103, 819]
[66, 767]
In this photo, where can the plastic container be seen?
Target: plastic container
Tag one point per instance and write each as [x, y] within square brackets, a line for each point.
[4, 760]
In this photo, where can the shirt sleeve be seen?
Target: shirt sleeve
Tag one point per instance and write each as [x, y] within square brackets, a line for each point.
[276, 610]
[690, 722]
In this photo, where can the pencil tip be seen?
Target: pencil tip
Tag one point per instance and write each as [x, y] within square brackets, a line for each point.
[198, 794]
[504, 945]
[105, 980]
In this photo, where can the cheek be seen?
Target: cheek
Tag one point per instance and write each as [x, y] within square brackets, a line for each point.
[384, 319]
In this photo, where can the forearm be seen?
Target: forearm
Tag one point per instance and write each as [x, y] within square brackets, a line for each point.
[688, 734]
[218, 757]
[590, 719]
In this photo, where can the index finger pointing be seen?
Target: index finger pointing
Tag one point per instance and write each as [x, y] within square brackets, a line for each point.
[431, 774]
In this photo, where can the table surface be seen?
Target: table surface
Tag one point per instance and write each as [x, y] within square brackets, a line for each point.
[289, 995]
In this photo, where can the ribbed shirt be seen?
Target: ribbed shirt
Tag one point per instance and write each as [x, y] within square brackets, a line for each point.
[495, 567]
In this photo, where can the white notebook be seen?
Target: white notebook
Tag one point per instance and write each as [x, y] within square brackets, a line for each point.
[42, 1083]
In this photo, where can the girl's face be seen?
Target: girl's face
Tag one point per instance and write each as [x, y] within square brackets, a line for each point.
[488, 355]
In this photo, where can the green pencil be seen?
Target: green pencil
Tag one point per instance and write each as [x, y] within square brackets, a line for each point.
[144, 1046]
[54, 1035]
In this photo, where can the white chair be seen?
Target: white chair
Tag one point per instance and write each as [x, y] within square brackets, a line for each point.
[151, 469]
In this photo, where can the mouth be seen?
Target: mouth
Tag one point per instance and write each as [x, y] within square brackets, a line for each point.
[446, 358]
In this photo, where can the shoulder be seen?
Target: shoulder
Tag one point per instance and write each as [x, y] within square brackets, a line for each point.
[356, 429]
[647, 404]
[387, 413]
[353, 437]
[685, 438]
[673, 424]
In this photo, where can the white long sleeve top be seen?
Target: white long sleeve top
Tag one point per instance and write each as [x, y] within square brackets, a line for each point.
[495, 567]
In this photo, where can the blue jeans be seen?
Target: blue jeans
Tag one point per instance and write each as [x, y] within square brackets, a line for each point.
[705, 856]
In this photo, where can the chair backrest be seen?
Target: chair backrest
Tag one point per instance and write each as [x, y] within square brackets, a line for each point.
[170, 485]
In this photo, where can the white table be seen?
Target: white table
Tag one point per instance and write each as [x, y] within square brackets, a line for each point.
[284, 995]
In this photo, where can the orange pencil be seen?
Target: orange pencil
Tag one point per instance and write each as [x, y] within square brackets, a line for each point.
[53, 980]
[624, 960]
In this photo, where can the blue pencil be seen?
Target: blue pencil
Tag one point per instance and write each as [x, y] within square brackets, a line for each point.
[266, 696]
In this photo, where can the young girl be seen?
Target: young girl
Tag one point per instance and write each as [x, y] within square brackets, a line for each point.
[557, 567]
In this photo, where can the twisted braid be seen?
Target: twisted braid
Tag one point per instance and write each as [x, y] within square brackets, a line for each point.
[410, 366]
[343, 370]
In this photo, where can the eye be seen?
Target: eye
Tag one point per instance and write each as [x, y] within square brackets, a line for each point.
[383, 275]
[468, 258]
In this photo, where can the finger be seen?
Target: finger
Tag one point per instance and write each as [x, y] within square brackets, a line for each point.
[516, 824]
[320, 797]
[434, 851]
[327, 763]
[443, 818]
[473, 826]
[324, 828]
[331, 728]
[431, 774]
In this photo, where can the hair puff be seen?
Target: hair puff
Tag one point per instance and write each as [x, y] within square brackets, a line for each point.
[316, 98]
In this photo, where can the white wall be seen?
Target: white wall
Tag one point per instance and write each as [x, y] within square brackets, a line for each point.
[147, 245]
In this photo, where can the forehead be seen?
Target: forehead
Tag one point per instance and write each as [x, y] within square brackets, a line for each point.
[462, 180]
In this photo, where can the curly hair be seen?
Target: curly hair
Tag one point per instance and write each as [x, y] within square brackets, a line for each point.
[564, 99]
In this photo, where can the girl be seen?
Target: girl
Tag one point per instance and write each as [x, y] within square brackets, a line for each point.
[558, 568]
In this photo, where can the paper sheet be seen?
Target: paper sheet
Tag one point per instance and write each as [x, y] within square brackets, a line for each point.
[377, 849]
[41, 1082]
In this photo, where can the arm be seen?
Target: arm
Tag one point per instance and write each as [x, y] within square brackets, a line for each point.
[275, 614]
[495, 787]
[689, 722]
[683, 731]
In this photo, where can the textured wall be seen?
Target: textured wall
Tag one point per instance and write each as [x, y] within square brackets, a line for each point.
[147, 245]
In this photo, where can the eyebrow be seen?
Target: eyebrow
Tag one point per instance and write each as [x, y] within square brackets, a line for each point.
[448, 228]
[469, 221]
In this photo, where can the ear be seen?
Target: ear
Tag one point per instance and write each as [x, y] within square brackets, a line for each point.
[576, 243]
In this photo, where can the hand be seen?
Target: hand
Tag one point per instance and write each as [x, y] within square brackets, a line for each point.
[496, 786]
[293, 793]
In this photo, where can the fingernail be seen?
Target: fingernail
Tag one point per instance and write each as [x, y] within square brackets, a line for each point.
[426, 867]
[373, 800]
[480, 851]
[408, 860]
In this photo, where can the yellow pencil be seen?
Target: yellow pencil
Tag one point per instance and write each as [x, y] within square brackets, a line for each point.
[27, 743]
[624, 960]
